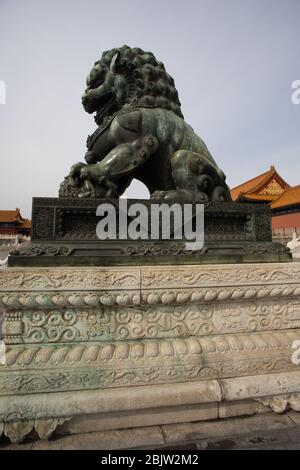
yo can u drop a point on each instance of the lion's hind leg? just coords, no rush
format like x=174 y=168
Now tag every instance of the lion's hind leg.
x=196 y=179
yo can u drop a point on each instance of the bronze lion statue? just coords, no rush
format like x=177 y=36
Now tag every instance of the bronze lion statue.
x=141 y=134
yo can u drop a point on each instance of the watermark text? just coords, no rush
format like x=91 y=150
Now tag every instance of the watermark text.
x=153 y=221
x=2 y=92
x=2 y=353
x=296 y=93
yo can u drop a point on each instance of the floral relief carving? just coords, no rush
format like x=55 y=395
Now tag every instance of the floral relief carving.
x=53 y=326
x=67 y=367
x=125 y=323
x=213 y=276
x=68 y=379
x=76 y=330
x=49 y=299
x=70 y=279
x=114 y=278
x=281 y=403
x=16 y=430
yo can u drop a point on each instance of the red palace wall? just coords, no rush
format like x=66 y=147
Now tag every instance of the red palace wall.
x=286 y=221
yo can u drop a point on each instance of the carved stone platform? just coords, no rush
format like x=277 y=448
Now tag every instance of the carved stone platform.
x=104 y=348
x=64 y=234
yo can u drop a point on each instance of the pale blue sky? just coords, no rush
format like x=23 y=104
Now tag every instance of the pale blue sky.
x=233 y=62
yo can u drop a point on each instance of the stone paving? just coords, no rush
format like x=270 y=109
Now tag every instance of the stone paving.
x=266 y=431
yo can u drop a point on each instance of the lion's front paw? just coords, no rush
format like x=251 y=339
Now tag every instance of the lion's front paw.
x=92 y=172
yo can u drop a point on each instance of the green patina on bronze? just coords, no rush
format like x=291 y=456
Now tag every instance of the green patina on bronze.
x=64 y=234
x=141 y=134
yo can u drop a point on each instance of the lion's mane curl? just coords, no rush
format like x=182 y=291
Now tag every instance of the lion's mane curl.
x=146 y=81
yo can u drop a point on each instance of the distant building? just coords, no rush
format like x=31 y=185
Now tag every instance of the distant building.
x=13 y=224
x=270 y=188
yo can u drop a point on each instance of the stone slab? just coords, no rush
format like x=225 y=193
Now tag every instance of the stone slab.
x=108 y=440
x=64 y=234
x=98 y=341
x=267 y=431
x=240 y=388
x=134 y=419
x=194 y=432
x=233 y=409
x=27 y=406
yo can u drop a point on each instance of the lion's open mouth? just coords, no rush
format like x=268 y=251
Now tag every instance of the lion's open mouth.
x=93 y=99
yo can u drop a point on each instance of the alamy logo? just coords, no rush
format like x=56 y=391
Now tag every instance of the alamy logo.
x=2 y=92
x=2 y=353
x=296 y=354
x=296 y=94
x=152 y=221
